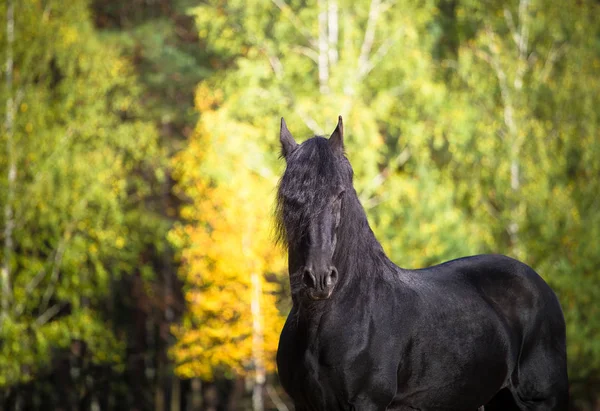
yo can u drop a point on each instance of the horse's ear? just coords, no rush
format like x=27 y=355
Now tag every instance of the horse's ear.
x=288 y=144
x=336 y=141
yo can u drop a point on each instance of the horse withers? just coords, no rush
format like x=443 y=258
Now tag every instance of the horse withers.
x=364 y=334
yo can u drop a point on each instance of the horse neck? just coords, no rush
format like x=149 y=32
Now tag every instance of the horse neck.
x=358 y=253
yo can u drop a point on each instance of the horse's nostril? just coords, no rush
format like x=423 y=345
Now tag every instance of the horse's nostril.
x=309 y=278
x=332 y=277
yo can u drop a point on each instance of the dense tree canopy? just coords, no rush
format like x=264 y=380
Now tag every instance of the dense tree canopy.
x=227 y=241
x=74 y=200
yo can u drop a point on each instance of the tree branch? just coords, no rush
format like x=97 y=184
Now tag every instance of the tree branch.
x=60 y=250
x=554 y=54
x=308 y=52
x=510 y=22
x=308 y=121
x=279 y=404
x=398 y=161
x=378 y=56
x=48 y=314
x=287 y=12
x=367 y=44
x=57 y=257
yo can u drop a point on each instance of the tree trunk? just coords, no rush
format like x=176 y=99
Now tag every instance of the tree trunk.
x=9 y=222
x=211 y=397
x=175 y=394
x=323 y=49
x=512 y=99
x=136 y=364
x=333 y=29
x=195 y=395
x=159 y=397
x=236 y=394
x=166 y=340
x=257 y=345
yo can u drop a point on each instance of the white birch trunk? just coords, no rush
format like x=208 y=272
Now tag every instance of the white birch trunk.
x=9 y=223
x=257 y=344
x=511 y=94
x=333 y=32
x=323 y=49
x=522 y=42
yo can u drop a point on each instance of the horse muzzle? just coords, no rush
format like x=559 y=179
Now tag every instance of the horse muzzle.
x=320 y=283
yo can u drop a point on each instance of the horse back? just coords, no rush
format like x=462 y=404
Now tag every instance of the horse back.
x=523 y=301
x=509 y=286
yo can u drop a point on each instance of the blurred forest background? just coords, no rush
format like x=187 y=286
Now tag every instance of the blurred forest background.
x=139 y=160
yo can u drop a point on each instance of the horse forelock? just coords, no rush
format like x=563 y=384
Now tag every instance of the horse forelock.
x=313 y=175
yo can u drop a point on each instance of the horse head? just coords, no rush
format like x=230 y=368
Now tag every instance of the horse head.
x=310 y=198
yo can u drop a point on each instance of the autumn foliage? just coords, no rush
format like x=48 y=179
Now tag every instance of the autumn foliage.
x=226 y=237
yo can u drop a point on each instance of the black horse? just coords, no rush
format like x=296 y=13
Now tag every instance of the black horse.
x=364 y=334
